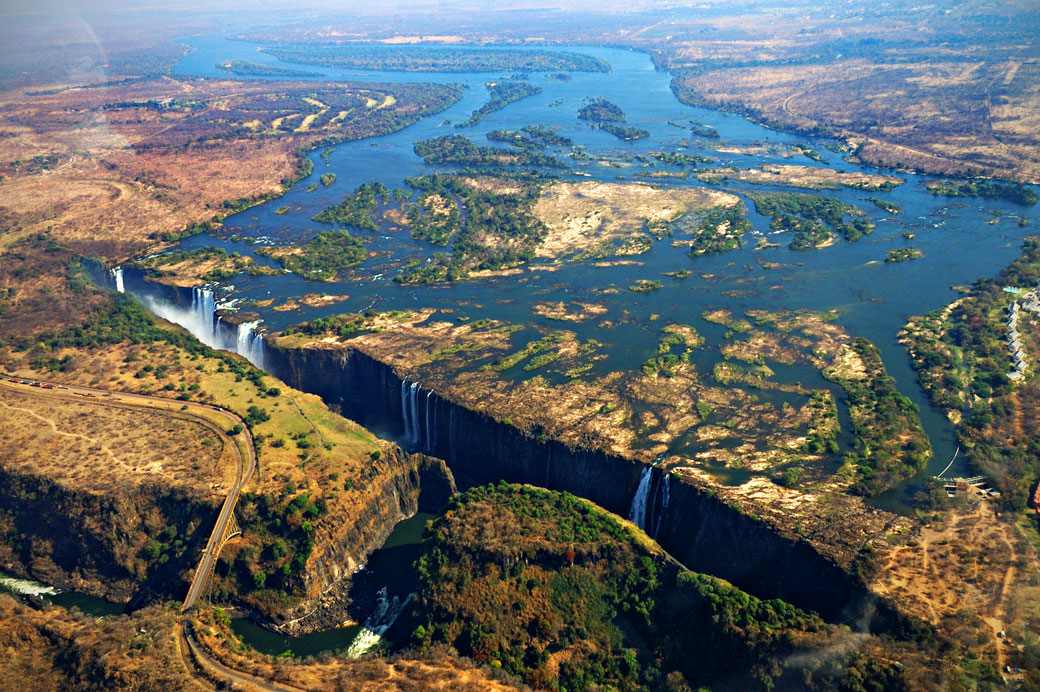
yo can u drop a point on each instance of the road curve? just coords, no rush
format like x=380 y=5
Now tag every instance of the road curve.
x=233 y=676
x=246 y=467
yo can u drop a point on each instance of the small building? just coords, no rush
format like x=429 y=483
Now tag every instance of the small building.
x=1014 y=375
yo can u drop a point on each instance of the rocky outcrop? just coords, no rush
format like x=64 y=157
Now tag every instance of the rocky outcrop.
x=407 y=483
x=703 y=532
x=95 y=543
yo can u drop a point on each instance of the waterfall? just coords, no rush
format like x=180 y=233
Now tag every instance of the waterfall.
x=404 y=409
x=218 y=335
x=382 y=618
x=117 y=276
x=548 y=464
x=637 y=513
x=250 y=343
x=198 y=319
x=663 y=504
x=202 y=321
x=429 y=448
x=258 y=351
x=416 y=432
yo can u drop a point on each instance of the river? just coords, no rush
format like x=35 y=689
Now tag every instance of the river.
x=874 y=299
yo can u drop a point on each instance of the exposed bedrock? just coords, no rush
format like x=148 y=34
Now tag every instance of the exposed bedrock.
x=704 y=533
x=409 y=483
x=93 y=543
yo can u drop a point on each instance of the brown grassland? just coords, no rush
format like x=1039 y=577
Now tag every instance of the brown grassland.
x=110 y=171
x=101 y=446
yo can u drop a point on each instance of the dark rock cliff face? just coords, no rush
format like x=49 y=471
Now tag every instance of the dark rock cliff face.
x=409 y=483
x=413 y=483
x=702 y=532
x=94 y=543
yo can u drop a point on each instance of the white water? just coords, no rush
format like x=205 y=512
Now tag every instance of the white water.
x=637 y=512
x=249 y=343
x=383 y=616
x=198 y=319
x=206 y=326
x=27 y=587
x=414 y=395
x=665 y=488
x=404 y=410
x=117 y=276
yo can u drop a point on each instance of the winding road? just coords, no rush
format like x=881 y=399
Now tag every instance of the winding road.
x=236 y=678
x=243 y=443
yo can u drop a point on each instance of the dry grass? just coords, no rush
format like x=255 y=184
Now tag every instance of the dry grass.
x=55 y=650
x=972 y=562
x=100 y=447
x=335 y=445
x=937 y=116
x=806 y=177
x=581 y=216
x=119 y=172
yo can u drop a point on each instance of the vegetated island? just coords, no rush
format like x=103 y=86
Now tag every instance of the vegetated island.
x=494 y=221
x=699 y=129
x=357 y=208
x=609 y=117
x=322 y=258
x=531 y=136
x=812 y=218
x=568 y=596
x=254 y=69
x=903 y=254
x=436 y=58
x=501 y=94
x=459 y=149
x=987 y=189
x=890 y=207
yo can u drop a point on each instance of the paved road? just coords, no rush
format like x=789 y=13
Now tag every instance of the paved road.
x=246 y=466
x=236 y=678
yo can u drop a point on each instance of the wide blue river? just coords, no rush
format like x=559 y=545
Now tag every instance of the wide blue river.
x=962 y=239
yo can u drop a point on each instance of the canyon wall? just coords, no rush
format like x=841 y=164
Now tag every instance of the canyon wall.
x=95 y=543
x=698 y=529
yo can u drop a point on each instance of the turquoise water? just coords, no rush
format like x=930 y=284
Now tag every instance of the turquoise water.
x=90 y=605
x=874 y=299
x=390 y=566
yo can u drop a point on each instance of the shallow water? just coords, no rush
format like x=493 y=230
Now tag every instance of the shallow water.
x=874 y=299
x=390 y=566
x=90 y=605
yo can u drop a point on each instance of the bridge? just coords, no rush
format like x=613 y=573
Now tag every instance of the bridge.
x=952 y=484
x=226 y=526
